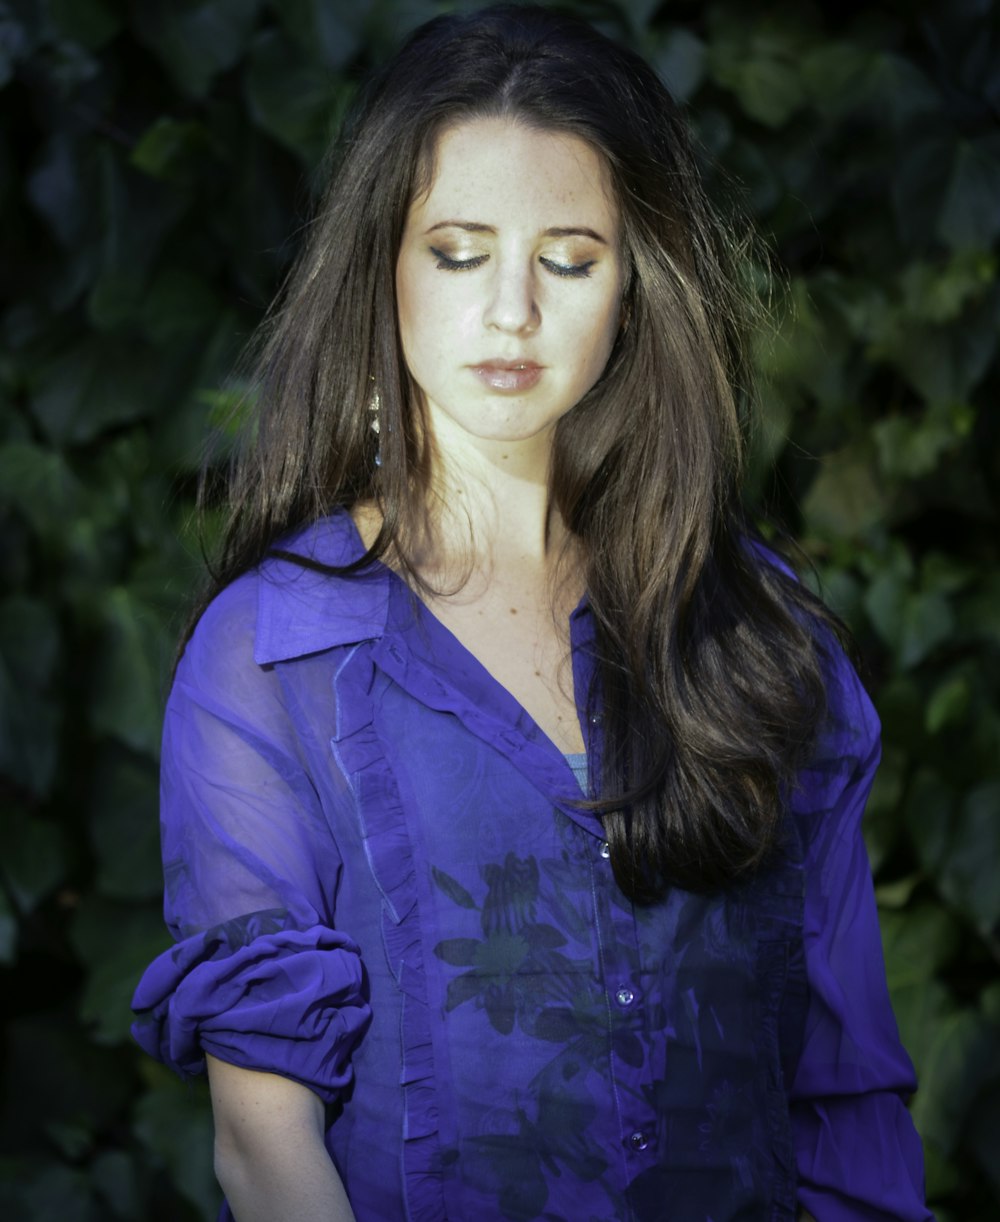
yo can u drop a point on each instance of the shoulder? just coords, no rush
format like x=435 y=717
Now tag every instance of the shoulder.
x=295 y=603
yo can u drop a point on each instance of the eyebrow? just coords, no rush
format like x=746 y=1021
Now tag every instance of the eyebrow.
x=570 y=231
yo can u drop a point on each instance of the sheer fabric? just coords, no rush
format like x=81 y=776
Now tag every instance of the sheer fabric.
x=381 y=886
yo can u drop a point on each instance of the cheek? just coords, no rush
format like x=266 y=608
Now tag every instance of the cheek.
x=598 y=339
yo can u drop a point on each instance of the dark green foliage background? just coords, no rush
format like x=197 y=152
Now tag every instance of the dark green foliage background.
x=156 y=163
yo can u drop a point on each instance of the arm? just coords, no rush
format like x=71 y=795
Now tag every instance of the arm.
x=858 y=1153
x=260 y=978
x=269 y=1153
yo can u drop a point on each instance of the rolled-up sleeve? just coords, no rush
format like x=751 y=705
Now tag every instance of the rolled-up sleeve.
x=259 y=976
x=859 y=1156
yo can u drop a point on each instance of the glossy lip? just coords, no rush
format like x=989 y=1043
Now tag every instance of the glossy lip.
x=508 y=375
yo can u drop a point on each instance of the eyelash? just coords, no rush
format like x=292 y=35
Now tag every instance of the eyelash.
x=464 y=265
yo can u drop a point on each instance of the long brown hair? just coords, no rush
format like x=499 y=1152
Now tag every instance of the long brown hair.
x=709 y=672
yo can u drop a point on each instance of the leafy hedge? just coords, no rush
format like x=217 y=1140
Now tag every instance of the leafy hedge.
x=156 y=160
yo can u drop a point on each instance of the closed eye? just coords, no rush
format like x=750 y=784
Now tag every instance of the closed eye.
x=561 y=269
x=457 y=265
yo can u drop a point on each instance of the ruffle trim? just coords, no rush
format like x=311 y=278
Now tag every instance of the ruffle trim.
x=286 y=1001
x=362 y=755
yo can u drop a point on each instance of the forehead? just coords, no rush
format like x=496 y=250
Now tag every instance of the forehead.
x=493 y=171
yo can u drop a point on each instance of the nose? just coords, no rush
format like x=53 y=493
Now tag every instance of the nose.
x=512 y=306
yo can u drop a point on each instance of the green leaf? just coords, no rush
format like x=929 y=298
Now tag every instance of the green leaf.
x=179 y=304
x=170 y=148
x=917 y=942
x=882 y=814
x=56 y=1077
x=970 y=216
x=927 y=621
x=114 y=1176
x=87 y=22
x=58 y=1191
x=910 y=449
x=15 y=43
x=758 y=64
x=930 y=811
x=296 y=103
x=116 y=942
x=29 y=640
x=982 y=1130
x=8 y=930
x=969 y=875
x=174 y=1122
x=959 y=1048
x=196 y=42
x=680 y=61
x=93 y=386
x=322 y=32
x=948 y=703
x=38 y=483
x=899 y=91
x=131 y=672
x=29 y=712
x=833 y=75
x=33 y=857
x=898 y=893
x=125 y=829
x=61 y=186
x=979 y=614
x=845 y=499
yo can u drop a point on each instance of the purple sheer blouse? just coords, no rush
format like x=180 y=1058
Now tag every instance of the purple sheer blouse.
x=381 y=885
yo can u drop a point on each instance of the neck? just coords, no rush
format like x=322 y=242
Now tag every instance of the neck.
x=496 y=507
x=491 y=506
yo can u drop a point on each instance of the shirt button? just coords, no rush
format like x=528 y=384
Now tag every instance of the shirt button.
x=638 y=1140
x=605 y=850
x=625 y=996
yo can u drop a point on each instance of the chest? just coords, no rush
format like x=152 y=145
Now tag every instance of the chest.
x=513 y=632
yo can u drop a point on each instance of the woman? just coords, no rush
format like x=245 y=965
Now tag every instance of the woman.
x=511 y=794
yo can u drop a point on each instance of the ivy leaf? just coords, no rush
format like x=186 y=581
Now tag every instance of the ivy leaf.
x=174 y=1123
x=958 y=1048
x=917 y=942
x=29 y=713
x=970 y=216
x=680 y=61
x=124 y=827
x=196 y=42
x=87 y=22
x=33 y=857
x=115 y=942
x=130 y=672
x=927 y=621
x=62 y=186
x=948 y=703
x=8 y=930
x=845 y=499
x=968 y=877
x=295 y=103
x=323 y=32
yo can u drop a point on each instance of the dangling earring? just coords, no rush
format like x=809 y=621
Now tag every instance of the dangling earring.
x=374 y=407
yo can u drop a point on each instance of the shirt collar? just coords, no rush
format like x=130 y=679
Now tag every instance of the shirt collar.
x=302 y=611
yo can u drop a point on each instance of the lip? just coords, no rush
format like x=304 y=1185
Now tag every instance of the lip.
x=508 y=376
